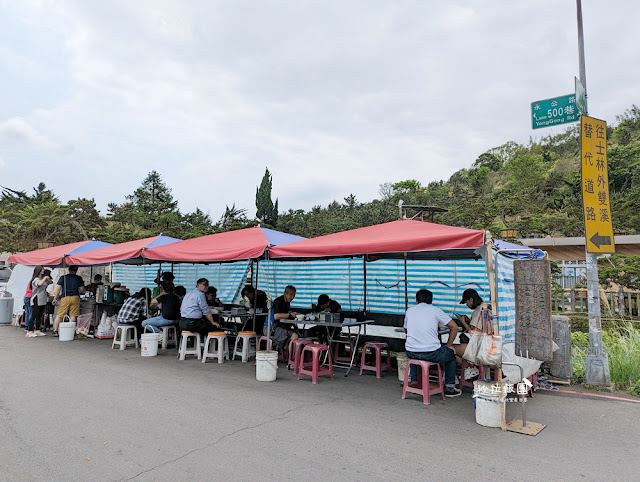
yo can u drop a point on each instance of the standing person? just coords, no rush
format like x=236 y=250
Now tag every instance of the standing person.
x=282 y=334
x=68 y=291
x=195 y=312
x=421 y=324
x=39 y=282
x=27 y=305
x=170 y=311
x=134 y=310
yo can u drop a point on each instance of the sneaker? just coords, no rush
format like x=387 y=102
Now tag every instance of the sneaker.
x=39 y=333
x=471 y=372
x=54 y=333
x=31 y=334
x=451 y=392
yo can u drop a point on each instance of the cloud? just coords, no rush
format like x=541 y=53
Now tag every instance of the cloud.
x=334 y=98
x=17 y=132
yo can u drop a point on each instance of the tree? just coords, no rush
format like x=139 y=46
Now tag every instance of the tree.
x=621 y=270
x=267 y=211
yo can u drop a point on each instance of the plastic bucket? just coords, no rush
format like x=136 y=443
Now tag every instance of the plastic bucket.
x=266 y=366
x=487 y=404
x=402 y=365
x=149 y=344
x=66 y=330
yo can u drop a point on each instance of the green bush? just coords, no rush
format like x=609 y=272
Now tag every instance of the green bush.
x=622 y=344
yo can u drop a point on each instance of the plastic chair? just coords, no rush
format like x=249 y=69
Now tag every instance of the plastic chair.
x=315 y=370
x=425 y=388
x=244 y=339
x=128 y=336
x=378 y=366
x=298 y=344
x=169 y=335
x=216 y=346
x=184 y=351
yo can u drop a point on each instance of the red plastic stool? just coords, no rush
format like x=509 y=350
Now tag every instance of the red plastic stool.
x=377 y=346
x=423 y=381
x=339 y=353
x=315 y=370
x=298 y=344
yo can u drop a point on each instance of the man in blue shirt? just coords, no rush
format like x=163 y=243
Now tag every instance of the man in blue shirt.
x=195 y=312
x=68 y=291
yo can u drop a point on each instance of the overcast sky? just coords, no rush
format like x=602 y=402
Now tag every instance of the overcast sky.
x=334 y=97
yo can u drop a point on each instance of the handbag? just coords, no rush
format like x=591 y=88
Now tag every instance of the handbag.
x=484 y=349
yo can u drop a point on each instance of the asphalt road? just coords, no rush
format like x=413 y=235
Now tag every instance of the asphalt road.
x=81 y=411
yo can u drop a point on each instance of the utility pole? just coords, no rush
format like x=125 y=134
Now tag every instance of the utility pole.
x=597 y=363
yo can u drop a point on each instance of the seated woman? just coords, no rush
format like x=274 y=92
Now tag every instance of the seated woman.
x=472 y=299
x=170 y=308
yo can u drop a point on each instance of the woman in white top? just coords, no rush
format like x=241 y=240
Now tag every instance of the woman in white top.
x=472 y=299
x=39 y=282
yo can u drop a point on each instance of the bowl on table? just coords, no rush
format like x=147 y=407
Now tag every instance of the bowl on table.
x=300 y=317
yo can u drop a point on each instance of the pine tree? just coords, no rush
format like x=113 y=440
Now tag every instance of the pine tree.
x=266 y=212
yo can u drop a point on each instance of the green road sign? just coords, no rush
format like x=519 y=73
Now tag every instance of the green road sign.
x=550 y=112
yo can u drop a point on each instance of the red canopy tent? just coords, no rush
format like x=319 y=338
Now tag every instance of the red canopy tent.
x=56 y=255
x=129 y=252
x=248 y=243
x=416 y=239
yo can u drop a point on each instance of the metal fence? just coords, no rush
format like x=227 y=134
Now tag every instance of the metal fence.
x=621 y=303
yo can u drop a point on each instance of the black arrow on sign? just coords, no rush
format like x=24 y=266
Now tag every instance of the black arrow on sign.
x=598 y=240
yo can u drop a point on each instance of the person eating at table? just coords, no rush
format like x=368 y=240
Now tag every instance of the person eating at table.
x=421 y=323
x=212 y=297
x=282 y=333
x=325 y=304
x=249 y=292
x=195 y=312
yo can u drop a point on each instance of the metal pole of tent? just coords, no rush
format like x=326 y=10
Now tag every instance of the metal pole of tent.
x=493 y=289
x=406 y=282
x=364 y=270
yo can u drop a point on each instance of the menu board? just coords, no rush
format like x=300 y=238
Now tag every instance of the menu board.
x=532 y=279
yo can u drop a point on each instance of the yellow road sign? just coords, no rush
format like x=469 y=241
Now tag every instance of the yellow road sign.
x=595 y=186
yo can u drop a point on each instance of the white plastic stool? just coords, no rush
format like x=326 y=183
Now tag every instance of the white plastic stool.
x=246 y=351
x=184 y=351
x=216 y=346
x=128 y=337
x=166 y=339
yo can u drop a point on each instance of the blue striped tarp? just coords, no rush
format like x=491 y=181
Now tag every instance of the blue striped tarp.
x=506 y=299
x=342 y=279
x=228 y=277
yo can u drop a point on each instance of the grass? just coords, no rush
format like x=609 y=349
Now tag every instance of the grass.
x=622 y=344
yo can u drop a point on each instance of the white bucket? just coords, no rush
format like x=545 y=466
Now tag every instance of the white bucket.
x=487 y=404
x=149 y=344
x=66 y=330
x=266 y=366
x=402 y=365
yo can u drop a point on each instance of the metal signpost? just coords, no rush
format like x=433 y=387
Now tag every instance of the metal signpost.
x=551 y=112
x=597 y=363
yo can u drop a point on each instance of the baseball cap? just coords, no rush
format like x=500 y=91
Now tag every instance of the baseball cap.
x=468 y=293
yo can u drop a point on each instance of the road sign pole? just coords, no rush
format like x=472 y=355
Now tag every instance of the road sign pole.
x=597 y=363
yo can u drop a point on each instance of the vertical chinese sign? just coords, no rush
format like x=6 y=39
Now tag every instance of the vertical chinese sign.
x=595 y=186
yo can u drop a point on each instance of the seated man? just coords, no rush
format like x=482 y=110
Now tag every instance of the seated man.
x=421 y=324
x=212 y=297
x=249 y=292
x=170 y=308
x=195 y=312
x=134 y=310
x=325 y=304
x=283 y=334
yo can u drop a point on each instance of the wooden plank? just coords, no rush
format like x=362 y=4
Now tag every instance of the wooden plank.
x=532 y=279
x=532 y=428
